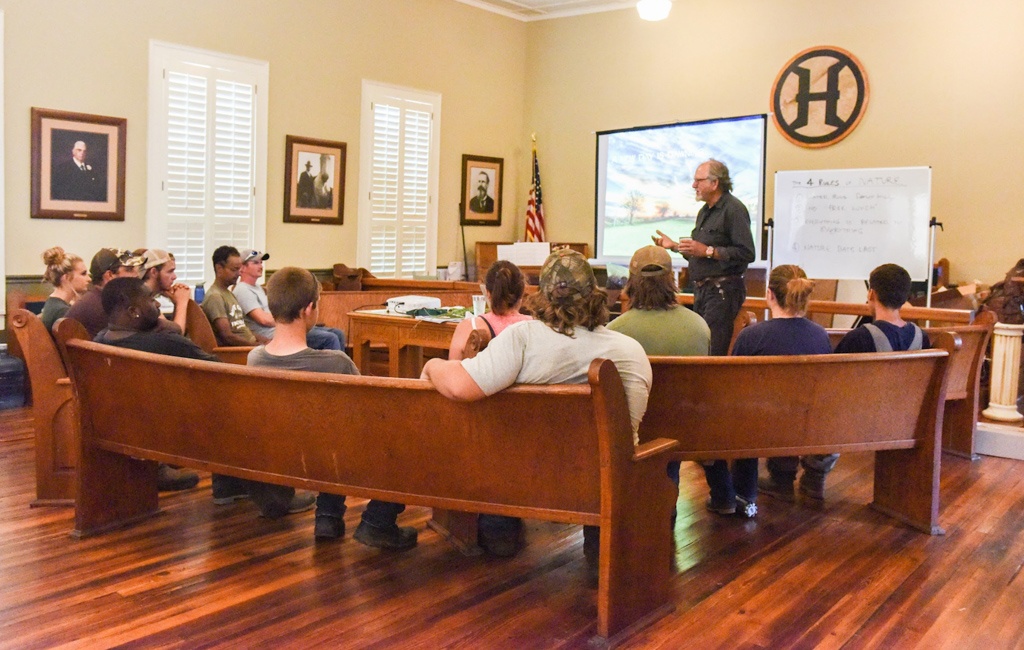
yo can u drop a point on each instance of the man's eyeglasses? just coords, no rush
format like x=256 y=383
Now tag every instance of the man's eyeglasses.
x=698 y=180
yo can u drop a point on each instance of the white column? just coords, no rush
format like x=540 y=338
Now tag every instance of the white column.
x=1002 y=403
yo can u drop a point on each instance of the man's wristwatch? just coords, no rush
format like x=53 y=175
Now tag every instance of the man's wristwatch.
x=709 y=252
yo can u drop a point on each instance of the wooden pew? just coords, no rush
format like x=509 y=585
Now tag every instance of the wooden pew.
x=54 y=415
x=509 y=454
x=199 y=330
x=963 y=385
x=757 y=407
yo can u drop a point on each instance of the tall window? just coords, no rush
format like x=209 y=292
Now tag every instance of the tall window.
x=398 y=181
x=207 y=155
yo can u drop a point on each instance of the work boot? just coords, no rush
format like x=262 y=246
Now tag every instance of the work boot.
x=393 y=537
x=812 y=484
x=170 y=479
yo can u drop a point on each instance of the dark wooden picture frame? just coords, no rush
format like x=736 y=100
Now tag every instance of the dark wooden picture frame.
x=78 y=166
x=482 y=184
x=314 y=181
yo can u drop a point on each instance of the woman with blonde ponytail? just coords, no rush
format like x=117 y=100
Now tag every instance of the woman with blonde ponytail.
x=67 y=273
x=788 y=332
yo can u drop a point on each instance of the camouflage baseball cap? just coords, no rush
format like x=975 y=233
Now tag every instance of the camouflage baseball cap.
x=565 y=275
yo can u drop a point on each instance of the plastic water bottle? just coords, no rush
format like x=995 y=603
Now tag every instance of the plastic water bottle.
x=12 y=380
x=200 y=292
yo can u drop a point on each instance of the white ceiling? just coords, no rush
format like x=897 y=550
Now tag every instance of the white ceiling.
x=527 y=10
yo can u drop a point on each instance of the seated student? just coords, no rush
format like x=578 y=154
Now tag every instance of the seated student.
x=220 y=305
x=888 y=290
x=293 y=294
x=504 y=285
x=66 y=272
x=158 y=272
x=106 y=265
x=253 y=299
x=788 y=332
x=567 y=333
x=655 y=319
x=135 y=324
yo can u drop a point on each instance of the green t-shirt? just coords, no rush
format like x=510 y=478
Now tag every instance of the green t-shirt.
x=675 y=332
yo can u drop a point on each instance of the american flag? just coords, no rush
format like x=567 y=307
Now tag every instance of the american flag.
x=535 y=206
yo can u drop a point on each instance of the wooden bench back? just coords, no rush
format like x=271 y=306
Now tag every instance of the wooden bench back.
x=54 y=417
x=755 y=407
x=199 y=330
x=382 y=438
x=965 y=366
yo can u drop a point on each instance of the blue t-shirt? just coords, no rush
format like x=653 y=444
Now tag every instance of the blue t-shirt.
x=782 y=336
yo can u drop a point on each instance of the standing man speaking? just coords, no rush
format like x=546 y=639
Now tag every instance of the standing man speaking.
x=718 y=252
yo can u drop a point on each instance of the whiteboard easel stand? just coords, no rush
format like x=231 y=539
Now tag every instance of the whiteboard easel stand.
x=932 y=225
x=770 y=227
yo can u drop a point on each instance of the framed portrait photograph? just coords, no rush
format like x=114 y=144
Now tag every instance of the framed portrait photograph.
x=481 y=190
x=78 y=166
x=314 y=181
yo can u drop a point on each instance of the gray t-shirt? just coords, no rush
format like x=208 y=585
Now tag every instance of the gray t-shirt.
x=250 y=297
x=328 y=361
x=530 y=352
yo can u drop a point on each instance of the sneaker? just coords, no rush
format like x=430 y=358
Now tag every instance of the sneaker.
x=328 y=527
x=745 y=507
x=395 y=538
x=720 y=508
x=170 y=479
x=780 y=491
x=302 y=501
x=228 y=489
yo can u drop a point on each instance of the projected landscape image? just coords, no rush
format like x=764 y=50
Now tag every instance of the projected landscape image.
x=645 y=178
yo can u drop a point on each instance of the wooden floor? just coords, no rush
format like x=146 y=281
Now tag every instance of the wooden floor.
x=799 y=576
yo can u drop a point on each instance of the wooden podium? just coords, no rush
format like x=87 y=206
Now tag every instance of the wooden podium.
x=487 y=254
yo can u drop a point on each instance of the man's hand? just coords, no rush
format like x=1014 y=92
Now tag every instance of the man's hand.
x=692 y=247
x=664 y=241
x=179 y=295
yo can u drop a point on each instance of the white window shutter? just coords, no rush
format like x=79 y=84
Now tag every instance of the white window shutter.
x=399 y=238
x=207 y=147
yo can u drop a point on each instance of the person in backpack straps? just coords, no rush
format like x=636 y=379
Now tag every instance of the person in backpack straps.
x=888 y=291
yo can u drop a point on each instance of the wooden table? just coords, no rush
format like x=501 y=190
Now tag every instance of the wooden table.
x=404 y=336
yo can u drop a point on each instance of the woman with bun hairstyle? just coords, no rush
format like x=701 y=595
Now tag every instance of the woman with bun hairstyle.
x=67 y=273
x=505 y=286
x=788 y=332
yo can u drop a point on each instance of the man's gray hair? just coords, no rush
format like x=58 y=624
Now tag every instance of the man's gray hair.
x=718 y=171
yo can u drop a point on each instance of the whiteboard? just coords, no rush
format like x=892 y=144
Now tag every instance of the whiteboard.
x=842 y=223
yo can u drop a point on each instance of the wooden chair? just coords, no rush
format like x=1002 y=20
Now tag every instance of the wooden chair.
x=198 y=328
x=54 y=413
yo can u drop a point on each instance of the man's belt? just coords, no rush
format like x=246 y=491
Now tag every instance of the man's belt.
x=716 y=279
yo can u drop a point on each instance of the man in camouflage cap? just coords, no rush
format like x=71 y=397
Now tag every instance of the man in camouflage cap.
x=568 y=332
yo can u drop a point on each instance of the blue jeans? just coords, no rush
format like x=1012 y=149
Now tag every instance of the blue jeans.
x=325 y=338
x=725 y=486
x=380 y=514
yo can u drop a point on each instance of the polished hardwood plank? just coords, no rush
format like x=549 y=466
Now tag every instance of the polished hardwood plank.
x=801 y=575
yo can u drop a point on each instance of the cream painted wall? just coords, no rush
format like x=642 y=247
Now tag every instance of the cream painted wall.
x=947 y=90
x=91 y=57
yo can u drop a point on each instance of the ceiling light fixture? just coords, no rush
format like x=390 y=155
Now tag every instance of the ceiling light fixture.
x=654 y=9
